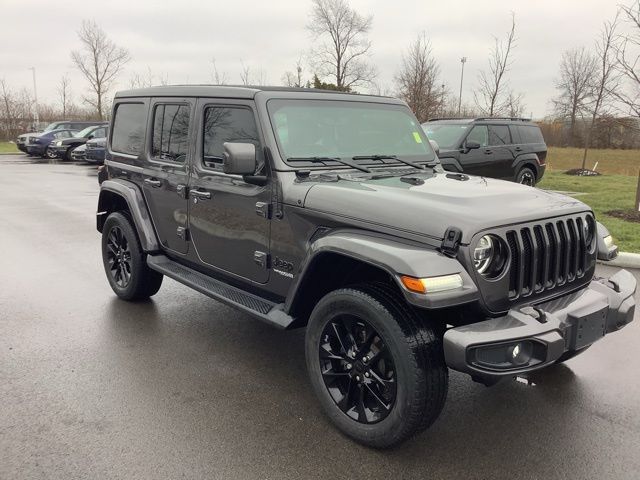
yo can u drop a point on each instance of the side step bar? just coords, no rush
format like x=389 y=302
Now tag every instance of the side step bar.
x=254 y=305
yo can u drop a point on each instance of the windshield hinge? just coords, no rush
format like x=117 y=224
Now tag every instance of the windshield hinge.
x=451 y=241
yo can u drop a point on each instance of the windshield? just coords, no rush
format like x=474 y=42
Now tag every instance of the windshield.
x=446 y=135
x=51 y=126
x=344 y=129
x=85 y=132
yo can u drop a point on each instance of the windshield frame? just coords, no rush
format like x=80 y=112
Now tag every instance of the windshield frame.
x=429 y=159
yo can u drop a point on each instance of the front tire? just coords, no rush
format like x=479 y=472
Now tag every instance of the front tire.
x=124 y=261
x=50 y=154
x=376 y=368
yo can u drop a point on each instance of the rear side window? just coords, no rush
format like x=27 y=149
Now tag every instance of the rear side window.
x=227 y=124
x=499 y=135
x=171 y=132
x=530 y=134
x=128 y=128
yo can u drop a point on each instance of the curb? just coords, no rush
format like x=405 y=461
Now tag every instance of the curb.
x=624 y=260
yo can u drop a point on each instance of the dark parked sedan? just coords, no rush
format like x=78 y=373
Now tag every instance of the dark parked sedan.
x=64 y=147
x=96 y=149
x=41 y=144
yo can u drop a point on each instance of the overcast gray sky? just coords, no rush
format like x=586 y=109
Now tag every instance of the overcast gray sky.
x=179 y=38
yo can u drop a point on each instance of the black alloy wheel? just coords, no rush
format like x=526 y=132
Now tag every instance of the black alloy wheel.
x=357 y=369
x=527 y=177
x=50 y=154
x=119 y=257
x=125 y=263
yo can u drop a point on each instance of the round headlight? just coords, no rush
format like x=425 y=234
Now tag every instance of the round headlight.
x=483 y=254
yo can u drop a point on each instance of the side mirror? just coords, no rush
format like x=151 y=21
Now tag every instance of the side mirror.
x=471 y=145
x=435 y=146
x=239 y=158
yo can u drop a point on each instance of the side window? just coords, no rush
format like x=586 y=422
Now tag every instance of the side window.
x=530 y=134
x=62 y=134
x=479 y=134
x=515 y=134
x=170 y=132
x=128 y=128
x=499 y=135
x=99 y=133
x=227 y=124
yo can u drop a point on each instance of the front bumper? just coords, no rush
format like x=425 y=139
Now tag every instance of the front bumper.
x=548 y=330
x=36 y=149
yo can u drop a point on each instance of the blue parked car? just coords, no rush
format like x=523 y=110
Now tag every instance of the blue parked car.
x=95 y=150
x=41 y=144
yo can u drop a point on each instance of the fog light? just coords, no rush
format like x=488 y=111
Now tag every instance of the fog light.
x=520 y=353
x=508 y=356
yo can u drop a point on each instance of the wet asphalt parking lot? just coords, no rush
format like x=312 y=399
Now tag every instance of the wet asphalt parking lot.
x=183 y=387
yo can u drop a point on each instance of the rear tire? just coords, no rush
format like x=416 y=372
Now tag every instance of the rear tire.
x=376 y=368
x=526 y=176
x=125 y=264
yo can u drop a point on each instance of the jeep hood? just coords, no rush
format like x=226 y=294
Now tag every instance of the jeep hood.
x=442 y=201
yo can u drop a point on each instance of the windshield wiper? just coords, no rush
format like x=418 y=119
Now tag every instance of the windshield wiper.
x=348 y=163
x=388 y=157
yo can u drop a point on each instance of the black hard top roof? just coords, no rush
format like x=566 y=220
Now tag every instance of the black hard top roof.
x=242 y=91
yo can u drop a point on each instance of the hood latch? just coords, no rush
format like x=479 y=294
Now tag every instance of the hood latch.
x=451 y=241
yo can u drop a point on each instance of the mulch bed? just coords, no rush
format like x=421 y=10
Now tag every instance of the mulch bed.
x=582 y=172
x=627 y=215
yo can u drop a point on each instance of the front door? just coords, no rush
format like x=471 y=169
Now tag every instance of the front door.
x=166 y=173
x=228 y=218
x=478 y=161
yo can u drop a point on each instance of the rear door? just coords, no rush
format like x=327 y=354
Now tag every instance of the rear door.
x=229 y=219
x=165 y=173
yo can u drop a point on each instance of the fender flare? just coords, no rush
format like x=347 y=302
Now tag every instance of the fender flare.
x=134 y=199
x=527 y=158
x=394 y=257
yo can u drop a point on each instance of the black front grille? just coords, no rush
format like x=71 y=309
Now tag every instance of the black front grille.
x=546 y=255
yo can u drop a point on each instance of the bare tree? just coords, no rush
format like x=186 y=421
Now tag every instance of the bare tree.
x=15 y=109
x=218 y=79
x=343 y=55
x=417 y=82
x=627 y=48
x=245 y=74
x=294 y=79
x=100 y=61
x=605 y=80
x=575 y=87
x=514 y=104
x=490 y=96
x=64 y=93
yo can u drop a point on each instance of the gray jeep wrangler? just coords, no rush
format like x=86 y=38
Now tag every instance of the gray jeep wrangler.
x=331 y=211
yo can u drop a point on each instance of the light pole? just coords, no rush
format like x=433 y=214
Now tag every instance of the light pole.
x=36 y=118
x=463 y=60
x=442 y=100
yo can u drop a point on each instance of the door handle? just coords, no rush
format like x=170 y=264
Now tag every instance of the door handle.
x=488 y=151
x=155 y=183
x=200 y=194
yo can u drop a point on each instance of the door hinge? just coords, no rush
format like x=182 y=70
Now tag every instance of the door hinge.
x=261 y=259
x=183 y=233
x=181 y=190
x=263 y=209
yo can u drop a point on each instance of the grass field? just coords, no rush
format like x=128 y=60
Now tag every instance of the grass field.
x=6 y=147
x=611 y=162
x=603 y=193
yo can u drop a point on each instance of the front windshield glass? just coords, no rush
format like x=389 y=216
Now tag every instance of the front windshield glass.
x=345 y=129
x=84 y=133
x=51 y=126
x=446 y=135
